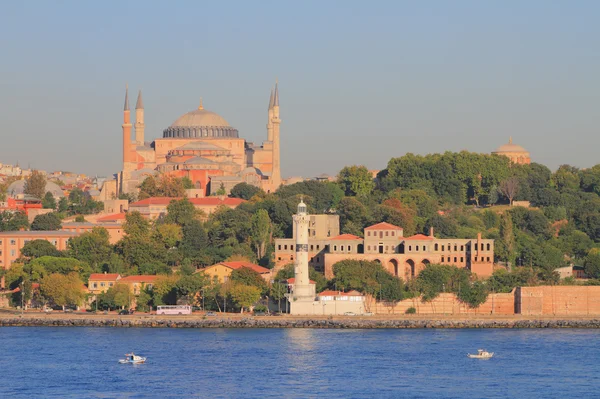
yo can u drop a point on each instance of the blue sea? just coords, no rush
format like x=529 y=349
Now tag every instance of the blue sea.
x=297 y=363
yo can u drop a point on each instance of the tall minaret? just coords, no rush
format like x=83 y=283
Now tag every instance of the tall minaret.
x=276 y=173
x=303 y=290
x=139 y=120
x=126 y=131
x=270 y=121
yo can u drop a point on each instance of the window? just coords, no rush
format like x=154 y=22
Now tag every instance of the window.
x=443 y=248
x=416 y=248
x=462 y=259
x=488 y=258
x=387 y=233
x=368 y=247
x=110 y=284
x=279 y=247
x=476 y=259
x=95 y=285
x=13 y=242
x=279 y=258
x=0 y=242
x=285 y=247
x=349 y=248
x=436 y=247
x=424 y=248
x=410 y=247
x=13 y=252
x=381 y=234
x=442 y=258
x=318 y=247
x=102 y=284
x=369 y=233
x=488 y=247
x=462 y=247
x=455 y=248
x=393 y=233
x=292 y=247
x=335 y=248
x=475 y=246
x=312 y=247
x=455 y=259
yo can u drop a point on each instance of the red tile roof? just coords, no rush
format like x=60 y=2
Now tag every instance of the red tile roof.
x=105 y=276
x=347 y=237
x=240 y=264
x=383 y=226
x=419 y=237
x=154 y=201
x=112 y=218
x=144 y=278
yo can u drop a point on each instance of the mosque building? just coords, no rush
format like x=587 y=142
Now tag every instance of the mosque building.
x=202 y=146
x=514 y=152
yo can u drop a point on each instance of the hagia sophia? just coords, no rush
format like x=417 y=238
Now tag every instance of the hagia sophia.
x=202 y=146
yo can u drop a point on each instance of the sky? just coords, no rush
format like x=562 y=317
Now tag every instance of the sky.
x=360 y=82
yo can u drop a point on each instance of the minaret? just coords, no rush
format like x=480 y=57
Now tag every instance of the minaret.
x=303 y=290
x=270 y=121
x=126 y=131
x=139 y=120
x=276 y=173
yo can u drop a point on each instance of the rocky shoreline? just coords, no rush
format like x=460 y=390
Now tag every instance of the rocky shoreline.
x=293 y=323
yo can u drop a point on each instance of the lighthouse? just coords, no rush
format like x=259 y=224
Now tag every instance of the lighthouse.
x=303 y=291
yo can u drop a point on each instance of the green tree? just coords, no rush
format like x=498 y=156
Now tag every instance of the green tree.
x=93 y=247
x=369 y=278
x=277 y=292
x=180 y=212
x=244 y=191
x=247 y=276
x=35 y=185
x=80 y=219
x=261 y=232
x=244 y=295
x=48 y=202
x=40 y=267
x=189 y=286
x=194 y=239
x=164 y=290
x=591 y=265
x=63 y=290
x=505 y=247
x=48 y=221
x=356 y=181
x=38 y=248
x=168 y=234
x=13 y=221
x=63 y=205
x=221 y=190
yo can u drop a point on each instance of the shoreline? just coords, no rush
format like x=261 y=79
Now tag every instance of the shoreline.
x=339 y=322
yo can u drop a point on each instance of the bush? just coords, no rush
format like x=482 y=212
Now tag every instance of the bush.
x=260 y=308
x=411 y=310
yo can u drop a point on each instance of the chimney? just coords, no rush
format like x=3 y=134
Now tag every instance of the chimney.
x=431 y=232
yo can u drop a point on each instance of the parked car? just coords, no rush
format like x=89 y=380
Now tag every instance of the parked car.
x=48 y=310
x=260 y=314
x=125 y=311
x=368 y=314
x=210 y=314
x=349 y=314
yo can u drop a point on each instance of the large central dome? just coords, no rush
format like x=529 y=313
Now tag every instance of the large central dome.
x=200 y=123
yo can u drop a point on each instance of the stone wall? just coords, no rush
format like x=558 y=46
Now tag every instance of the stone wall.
x=446 y=303
x=558 y=300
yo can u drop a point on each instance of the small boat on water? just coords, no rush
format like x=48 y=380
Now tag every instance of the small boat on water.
x=481 y=354
x=131 y=358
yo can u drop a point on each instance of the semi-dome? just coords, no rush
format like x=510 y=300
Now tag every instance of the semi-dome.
x=18 y=188
x=200 y=123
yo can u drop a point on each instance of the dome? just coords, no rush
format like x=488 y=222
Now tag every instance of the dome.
x=200 y=123
x=510 y=147
x=18 y=188
x=200 y=117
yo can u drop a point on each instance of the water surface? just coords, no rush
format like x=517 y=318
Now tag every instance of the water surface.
x=297 y=363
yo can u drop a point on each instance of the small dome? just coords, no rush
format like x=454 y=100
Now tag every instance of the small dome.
x=510 y=147
x=18 y=188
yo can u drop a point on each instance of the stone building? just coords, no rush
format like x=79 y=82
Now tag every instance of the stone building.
x=385 y=243
x=514 y=152
x=202 y=146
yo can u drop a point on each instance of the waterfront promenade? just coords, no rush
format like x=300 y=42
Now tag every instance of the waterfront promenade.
x=236 y=320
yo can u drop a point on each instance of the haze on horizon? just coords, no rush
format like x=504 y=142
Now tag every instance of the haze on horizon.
x=359 y=82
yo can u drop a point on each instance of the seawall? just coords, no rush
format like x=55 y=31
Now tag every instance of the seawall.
x=271 y=322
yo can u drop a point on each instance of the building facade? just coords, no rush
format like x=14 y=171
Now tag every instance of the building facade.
x=202 y=146
x=402 y=256
x=11 y=243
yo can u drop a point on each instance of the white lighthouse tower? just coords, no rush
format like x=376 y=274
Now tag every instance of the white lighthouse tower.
x=303 y=291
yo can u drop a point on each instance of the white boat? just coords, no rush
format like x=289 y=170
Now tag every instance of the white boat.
x=481 y=354
x=131 y=358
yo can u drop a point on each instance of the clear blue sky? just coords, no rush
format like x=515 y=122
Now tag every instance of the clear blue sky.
x=360 y=82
